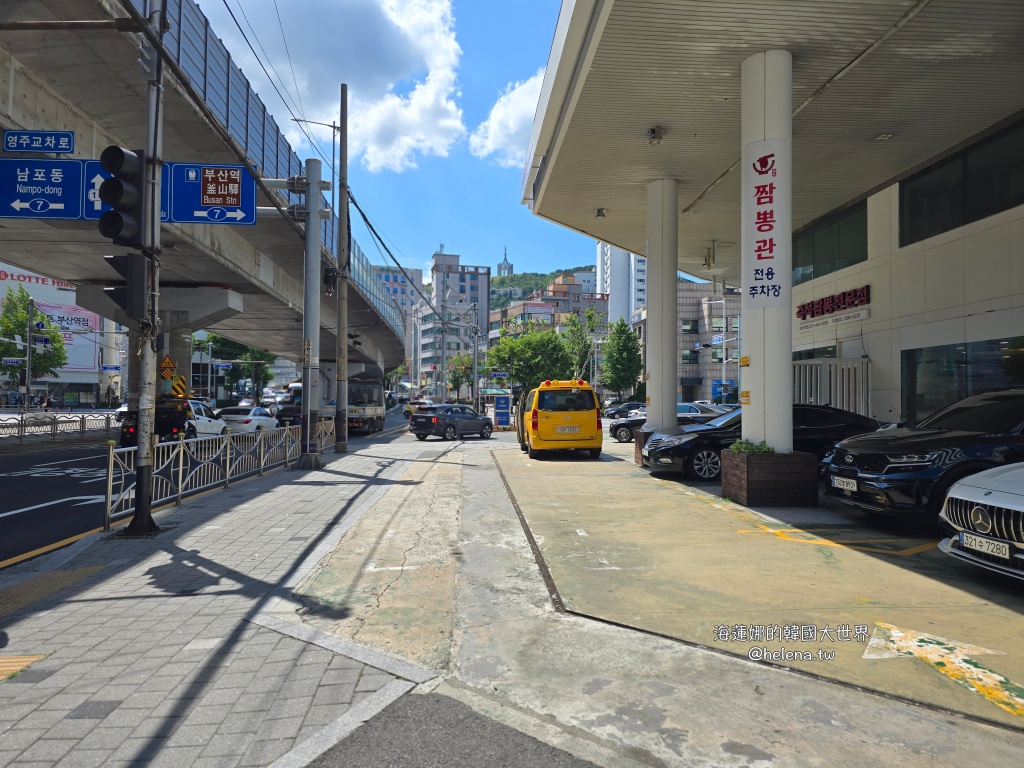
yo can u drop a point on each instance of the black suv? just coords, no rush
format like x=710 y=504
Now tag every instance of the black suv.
x=449 y=422
x=907 y=472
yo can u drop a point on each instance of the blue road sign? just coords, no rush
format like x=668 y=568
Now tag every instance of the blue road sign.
x=716 y=339
x=716 y=387
x=40 y=339
x=40 y=325
x=54 y=142
x=12 y=361
x=696 y=345
x=499 y=374
x=222 y=366
x=110 y=367
x=204 y=193
x=33 y=188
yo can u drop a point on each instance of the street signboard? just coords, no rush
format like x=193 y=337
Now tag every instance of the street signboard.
x=499 y=374
x=716 y=339
x=222 y=366
x=717 y=388
x=110 y=367
x=36 y=188
x=94 y=176
x=40 y=324
x=696 y=345
x=502 y=405
x=167 y=363
x=206 y=193
x=40 y=339
x=12 y=361
x=54 y=142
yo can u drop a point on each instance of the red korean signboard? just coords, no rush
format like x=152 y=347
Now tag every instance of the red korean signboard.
x=767 y=259
x=839 y=302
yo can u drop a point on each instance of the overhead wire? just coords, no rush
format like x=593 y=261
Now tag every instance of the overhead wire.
x=291 y=64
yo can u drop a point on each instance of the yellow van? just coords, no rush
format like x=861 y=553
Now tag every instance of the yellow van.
x=560 y=415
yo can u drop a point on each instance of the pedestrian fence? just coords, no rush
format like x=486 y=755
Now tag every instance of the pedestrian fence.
x=184 y=468
x=43 y=425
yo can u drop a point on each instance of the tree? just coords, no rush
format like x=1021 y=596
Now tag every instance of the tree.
x=622 y=361
x=463 y=373
x=578 y=338
x=395 y=377
x=531 y=357
x=226 y=349
x=14 y=322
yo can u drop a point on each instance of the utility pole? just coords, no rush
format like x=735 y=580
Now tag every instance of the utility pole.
x=28 y=353
x=344 y=269
x=310 y=458
x=476 y=354
x=142 y=523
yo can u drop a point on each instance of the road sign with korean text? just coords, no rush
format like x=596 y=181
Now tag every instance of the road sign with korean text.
x=206 y=193
x=53 y=142
x=38 y=188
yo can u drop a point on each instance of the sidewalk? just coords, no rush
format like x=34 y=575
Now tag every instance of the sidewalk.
x=272 y=619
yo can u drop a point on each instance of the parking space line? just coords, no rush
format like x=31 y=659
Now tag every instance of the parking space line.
x=860 y=544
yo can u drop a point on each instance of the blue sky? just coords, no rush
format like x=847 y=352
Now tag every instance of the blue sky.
x=442 y=100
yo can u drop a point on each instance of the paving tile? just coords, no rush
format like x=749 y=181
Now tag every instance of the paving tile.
x=85 y=758
x=48 y=750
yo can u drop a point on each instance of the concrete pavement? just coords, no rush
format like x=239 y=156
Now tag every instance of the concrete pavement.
x=273 y=618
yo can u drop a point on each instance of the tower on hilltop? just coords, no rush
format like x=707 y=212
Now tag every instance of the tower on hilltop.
x=506 y=268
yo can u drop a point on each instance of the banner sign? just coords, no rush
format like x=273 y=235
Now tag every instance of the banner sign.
x=767 y=231
x=82 y=348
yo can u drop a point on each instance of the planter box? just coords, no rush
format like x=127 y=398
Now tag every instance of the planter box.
x=770 y=479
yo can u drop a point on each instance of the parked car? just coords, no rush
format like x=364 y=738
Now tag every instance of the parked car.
x=247 y=419
x=686 y=414
x=984 y=513
x=560 y=415
x=697 y=450
x=289 y=415
x=119 y=414
x=621 y=410
x=906 y=472
x=449 y=422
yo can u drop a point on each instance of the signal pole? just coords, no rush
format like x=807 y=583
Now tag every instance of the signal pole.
x=143 y=523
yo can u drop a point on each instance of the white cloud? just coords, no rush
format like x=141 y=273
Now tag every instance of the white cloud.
x=506 y=131
x=400 y=59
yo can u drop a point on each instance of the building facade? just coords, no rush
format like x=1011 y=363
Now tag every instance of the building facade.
x=400 y=285
x=924 y=279
x=708 y=341
x=461 y=292
x=623 y=276
x=93 y=343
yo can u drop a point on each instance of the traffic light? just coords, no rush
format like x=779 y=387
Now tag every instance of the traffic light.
x=125 y=192
x=133 y=297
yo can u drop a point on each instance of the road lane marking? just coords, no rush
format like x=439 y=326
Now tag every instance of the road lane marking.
x=952 y=659
x=85 y=500
x=69 y=461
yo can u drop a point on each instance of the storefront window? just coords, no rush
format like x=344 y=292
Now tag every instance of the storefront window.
x=934 y=377
x=816 y=353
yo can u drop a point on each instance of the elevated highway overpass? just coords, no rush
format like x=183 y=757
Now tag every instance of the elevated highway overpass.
x=243 y=282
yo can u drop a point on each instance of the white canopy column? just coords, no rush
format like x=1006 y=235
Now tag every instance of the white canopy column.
x=766 y=386
x=662 y=268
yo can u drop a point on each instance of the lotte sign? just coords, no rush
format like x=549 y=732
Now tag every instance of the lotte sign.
x=767 y=277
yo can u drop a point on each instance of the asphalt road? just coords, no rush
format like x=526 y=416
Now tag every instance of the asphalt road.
x=50 y=496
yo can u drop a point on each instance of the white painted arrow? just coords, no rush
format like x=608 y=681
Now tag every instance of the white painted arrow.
x=236 y=214
x=953 y=659
x=20 y=206
x=82 y=501
x=94 y=193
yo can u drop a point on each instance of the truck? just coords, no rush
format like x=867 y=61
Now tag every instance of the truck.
x=365 y=402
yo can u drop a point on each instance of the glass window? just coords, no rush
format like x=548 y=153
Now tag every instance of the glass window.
x=717 y=324
x=853 y=236
x=803 y=257
x=689 y=357
x=826 y=246
x=716 y=354
x=993 y=413
x=816 y=353
x=931 y=202
x=994 y=174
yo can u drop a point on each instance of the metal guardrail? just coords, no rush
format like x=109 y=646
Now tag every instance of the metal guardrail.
x=42 y=425
x=186 y=467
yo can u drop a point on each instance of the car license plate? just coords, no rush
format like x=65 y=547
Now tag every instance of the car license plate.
x=567 y=430
x=844 y=483
x=986 y=546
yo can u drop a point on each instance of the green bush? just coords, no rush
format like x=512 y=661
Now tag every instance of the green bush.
x=745 y=446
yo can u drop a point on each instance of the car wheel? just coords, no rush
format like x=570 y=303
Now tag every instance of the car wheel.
x=223 y=431
x=938 y=496
x=705 y=463
x=532 y=452
x=522 y=447
x=595 y=453
x=190 y=434
x=485 y=433
x=420 y=436
x=624 y=434
x=450 y=433
x=407 y=415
